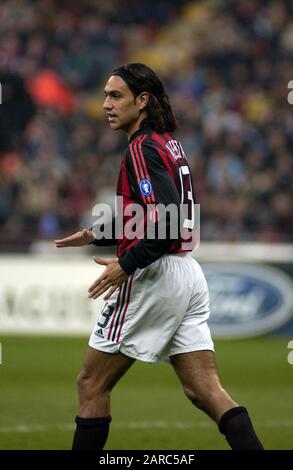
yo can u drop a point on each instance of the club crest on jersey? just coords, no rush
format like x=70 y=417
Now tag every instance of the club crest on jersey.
x=145 y=187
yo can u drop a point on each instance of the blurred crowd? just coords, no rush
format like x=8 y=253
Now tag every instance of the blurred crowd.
x=226 y=66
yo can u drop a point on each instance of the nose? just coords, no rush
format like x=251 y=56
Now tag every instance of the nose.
x=107 y=103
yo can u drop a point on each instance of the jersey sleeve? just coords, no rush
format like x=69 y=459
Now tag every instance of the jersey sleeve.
x=153 y=185
x=104 y=234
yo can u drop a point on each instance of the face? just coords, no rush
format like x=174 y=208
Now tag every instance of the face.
x=123 y=110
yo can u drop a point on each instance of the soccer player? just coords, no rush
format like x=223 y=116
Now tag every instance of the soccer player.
x=157 y=303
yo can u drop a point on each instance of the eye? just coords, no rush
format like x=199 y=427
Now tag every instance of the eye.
x=113 y=94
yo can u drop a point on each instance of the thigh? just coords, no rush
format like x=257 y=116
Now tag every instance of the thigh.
x=196 y=370
x=198 y=374
x=107 y=368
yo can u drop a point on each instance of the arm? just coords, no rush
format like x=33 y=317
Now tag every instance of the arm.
x=92 y=236
x=81 y=238
x=104 y=234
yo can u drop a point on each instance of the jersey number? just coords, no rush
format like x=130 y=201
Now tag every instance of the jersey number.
x=106 y=313
x=186 y=195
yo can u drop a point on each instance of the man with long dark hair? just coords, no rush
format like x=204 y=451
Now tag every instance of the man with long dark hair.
x=157 y=302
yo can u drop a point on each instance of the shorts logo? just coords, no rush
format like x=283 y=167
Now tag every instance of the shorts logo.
x=99 y=333
x=145 y=187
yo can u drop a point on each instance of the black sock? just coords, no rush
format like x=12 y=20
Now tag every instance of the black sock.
x=235 y=424
x=91 y=433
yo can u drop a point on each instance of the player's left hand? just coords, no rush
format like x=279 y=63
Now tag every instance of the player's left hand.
x=112 y=278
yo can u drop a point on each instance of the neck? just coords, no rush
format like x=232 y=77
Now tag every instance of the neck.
x=135 y=126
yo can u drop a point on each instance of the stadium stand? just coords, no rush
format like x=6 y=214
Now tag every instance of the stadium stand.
x=227 y=66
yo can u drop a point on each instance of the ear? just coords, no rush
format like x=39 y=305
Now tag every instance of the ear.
x=142 y=100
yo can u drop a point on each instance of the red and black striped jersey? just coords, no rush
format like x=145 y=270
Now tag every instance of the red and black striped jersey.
x=154 y=174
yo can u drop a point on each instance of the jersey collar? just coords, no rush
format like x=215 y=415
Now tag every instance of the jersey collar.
x=144 y=129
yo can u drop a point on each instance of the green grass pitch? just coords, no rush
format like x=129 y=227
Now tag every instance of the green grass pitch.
x=38 y=399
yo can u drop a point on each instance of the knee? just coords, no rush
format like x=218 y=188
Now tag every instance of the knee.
x=89 y=384
x=82 y=380
x=195 y=396
x=202 y=397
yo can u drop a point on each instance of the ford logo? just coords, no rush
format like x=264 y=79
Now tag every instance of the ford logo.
x=247 y=300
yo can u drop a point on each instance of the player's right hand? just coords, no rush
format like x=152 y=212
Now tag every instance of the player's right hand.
x=84 y=237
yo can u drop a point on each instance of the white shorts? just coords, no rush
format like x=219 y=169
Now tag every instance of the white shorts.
x=160 y=311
